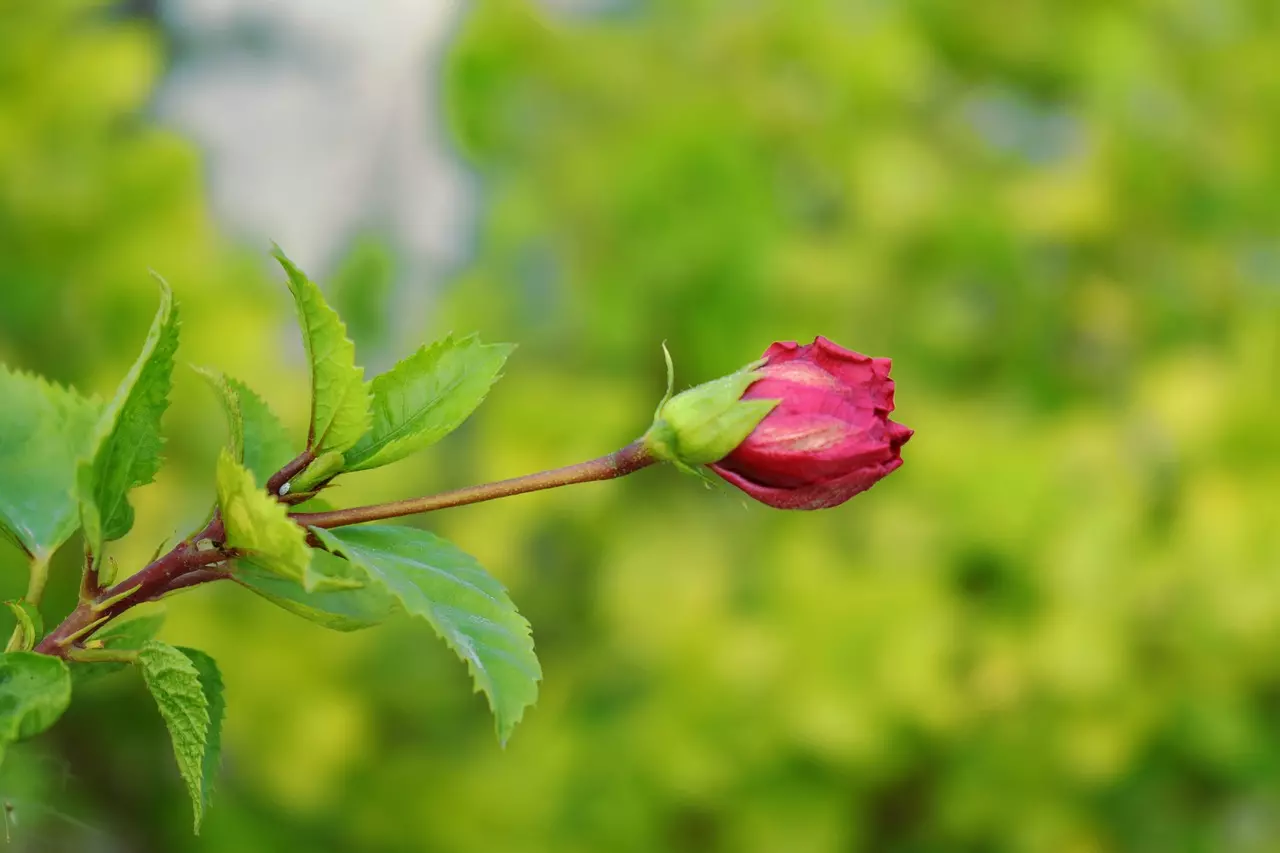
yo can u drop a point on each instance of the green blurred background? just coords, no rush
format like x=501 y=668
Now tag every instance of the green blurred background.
x=1057 y=628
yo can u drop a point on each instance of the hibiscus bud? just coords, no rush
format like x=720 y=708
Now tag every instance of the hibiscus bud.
x=705 y=423
x=828 y=438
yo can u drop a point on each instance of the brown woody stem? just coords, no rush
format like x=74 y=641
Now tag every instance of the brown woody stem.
x=631 y=458
x=195 y=560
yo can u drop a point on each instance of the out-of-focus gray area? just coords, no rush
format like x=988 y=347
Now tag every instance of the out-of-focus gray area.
x=319 y=120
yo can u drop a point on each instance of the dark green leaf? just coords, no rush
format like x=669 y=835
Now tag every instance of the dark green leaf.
x=211 y=684
x=339 y=400
x=175 y=684
x=434 y=580
x=127 y=440
x=425 y=397
x=44 y=430
x=34 y=691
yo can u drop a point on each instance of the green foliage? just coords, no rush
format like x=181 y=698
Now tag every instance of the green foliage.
x=258 y=525
x=127 y=440
x=183 y=683
x=44 y=430
x=425 y=397
x=339 y=400
x=215 y=702
x=30 y=623
x=433 y=580
x=34 y=691
x=345 y=598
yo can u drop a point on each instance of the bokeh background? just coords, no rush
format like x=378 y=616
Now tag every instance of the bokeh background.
x=1057 y=628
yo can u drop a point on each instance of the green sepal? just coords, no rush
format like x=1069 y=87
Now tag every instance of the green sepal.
x=706 y=423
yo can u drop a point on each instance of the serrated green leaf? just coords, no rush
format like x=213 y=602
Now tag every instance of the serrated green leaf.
x=340 y=609
x=175 y=684
x=230 y=407
x=258 y=440
x=211 y=685
x=30 y=623
x=44 y=431
x=434 y=580
x=34 y=691
x=127 y=440
x=425 y=397
x=259 y=525
x=339 y=399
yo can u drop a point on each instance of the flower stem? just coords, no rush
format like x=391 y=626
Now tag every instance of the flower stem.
x=629 y=459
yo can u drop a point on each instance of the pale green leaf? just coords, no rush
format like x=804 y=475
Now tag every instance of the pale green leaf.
x=175 y=684
x=30 y=623
x=127 y=440
x=425 y=397
x=259 y=526
x=34 y=691
x=211 y=685
x=258 y=440
x=339 y=399
x=340 y=609
x=434 y=580
x=44 y=430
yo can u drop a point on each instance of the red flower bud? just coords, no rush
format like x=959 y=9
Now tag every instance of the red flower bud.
x=828 y=439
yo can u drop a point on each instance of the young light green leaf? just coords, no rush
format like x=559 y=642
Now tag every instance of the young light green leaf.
x=211 y=685
x=339 y=399
x=259 y=525
x=127 y=440
x=175 y=684
x=258 y=440
x=325 y=467
x=340 y=609
x=425 y=397
x=44 y=430
x=433 y=580
x=34 y=691
x=30 y=624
